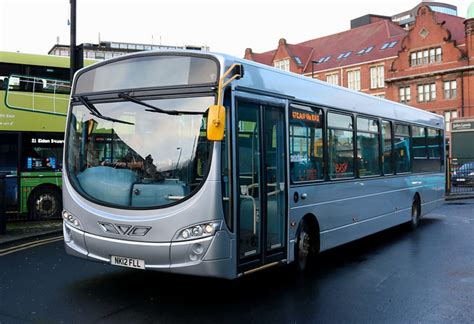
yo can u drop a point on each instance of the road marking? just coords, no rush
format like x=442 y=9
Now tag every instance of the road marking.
x=29 y=245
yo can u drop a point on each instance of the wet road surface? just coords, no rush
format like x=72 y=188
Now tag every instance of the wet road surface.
x=396 y=276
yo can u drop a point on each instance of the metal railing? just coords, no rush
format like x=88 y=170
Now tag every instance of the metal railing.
x=460 y=176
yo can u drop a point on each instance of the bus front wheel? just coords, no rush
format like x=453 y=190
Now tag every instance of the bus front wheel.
x=304 y=252
x=45 y=203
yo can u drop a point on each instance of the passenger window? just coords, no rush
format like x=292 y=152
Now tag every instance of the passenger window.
x=368 y=147
x=306 y=144
x=433 y=143
x=420 y=154
x=387 y=158
x=402 y=148
x=340 y=146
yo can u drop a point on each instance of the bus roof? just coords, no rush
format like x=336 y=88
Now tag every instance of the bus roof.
x=271 y=81
x=317 y=92
x=38 y=59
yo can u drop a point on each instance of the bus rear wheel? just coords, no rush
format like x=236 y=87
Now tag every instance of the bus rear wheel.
x=45 y=203
x=415 y=214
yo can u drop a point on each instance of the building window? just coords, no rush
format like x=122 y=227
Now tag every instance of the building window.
x=426 y=56
x=405 y=94
x=353 y=80
x=450 y=88
x=377 y=77
x=282 y=64
x=426 y=92
x=332 y=78
x=448 y=117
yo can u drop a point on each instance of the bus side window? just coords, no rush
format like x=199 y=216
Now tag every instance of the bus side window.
x=306 y=144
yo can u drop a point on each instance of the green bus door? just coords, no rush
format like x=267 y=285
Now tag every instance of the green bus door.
x=261 y=170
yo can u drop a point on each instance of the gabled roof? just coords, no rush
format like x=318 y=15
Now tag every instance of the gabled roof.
x=265 y=58
x=302 y=52
x=353 y=41
x=454 y=24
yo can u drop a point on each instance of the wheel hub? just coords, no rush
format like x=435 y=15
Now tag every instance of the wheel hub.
x=46 y=205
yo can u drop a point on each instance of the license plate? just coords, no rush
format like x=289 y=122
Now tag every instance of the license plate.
x=127 y=262
x=461 y=180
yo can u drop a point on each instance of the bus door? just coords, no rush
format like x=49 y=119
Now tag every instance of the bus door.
x=261 y=184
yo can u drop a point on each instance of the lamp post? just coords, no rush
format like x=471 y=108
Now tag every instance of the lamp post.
x=72 y=45
x=179 y=157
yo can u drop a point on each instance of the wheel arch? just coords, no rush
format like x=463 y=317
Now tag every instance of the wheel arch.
x=313 y=224
x=417 y=198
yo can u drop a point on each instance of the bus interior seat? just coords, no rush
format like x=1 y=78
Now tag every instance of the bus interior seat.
x=111 y=185
x=153 y=194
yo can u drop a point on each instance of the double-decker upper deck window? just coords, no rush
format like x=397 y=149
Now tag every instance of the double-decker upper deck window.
x=148 y=71
x=340 y=146
x=306 y=144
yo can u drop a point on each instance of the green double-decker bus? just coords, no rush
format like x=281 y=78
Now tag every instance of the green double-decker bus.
x=34 y=95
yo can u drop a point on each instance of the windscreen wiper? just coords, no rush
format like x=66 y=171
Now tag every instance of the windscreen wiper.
x=156 y=109
x=94 y=112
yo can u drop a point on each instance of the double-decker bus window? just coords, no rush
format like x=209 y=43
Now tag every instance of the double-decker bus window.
x=368 y=146
x=387 y=159
x=340 y=146
x=306 y=145
x=42 y=152
x=402 y=148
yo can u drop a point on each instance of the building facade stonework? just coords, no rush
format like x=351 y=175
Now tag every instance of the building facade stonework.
x=428 y=65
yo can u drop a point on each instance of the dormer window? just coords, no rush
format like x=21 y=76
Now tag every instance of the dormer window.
x=282 y=64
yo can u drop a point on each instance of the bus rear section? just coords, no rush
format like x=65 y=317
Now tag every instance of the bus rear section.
x=141 y=177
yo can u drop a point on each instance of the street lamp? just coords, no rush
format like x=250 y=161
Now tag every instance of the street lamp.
x=179 y=157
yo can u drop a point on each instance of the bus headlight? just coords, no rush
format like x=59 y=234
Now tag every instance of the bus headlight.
x=197 y=231
x=71 y=219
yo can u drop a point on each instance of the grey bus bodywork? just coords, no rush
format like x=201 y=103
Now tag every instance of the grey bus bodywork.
x=342 y=210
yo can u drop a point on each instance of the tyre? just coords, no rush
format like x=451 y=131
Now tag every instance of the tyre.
x=415 y=214
x=45 y=203
x=304 y=248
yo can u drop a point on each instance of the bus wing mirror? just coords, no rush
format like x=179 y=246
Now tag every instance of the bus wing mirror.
x=215 y=123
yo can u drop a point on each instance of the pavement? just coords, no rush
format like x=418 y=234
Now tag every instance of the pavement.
x=20 y=232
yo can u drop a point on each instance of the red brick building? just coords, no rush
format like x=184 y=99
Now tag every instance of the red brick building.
x=429 y=64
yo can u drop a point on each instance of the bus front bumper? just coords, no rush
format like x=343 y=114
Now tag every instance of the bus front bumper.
x=210 y=256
